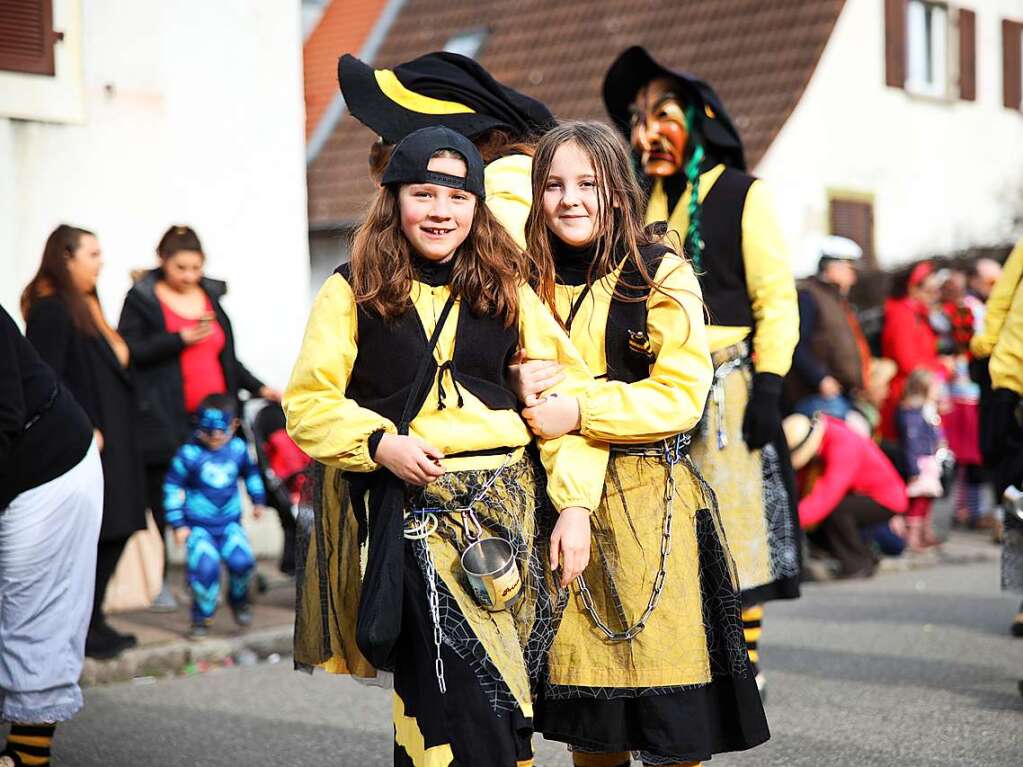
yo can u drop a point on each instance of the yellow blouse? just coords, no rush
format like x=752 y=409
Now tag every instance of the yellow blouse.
x=335 y=430
x=671 y=400
x=769 y=281
x=998 y=302
x=1006 y=364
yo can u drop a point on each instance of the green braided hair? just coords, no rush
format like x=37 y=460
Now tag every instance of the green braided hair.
x=694 y=239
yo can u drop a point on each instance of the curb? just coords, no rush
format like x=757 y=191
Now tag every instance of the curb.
x=172 y=658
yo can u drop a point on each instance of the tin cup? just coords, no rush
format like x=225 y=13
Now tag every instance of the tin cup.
x=493 y=573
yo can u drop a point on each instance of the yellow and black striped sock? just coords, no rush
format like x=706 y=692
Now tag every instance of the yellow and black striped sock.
x=752 y=618
x=583 y=759
x=31 y=743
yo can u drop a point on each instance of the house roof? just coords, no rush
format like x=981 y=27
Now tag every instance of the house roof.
x=344 y=27
x=758 y=56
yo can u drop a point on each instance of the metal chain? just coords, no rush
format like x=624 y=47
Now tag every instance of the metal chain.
x=434 y=600
x=673 y=454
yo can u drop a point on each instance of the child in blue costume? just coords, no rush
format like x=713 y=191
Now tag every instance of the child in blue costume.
x=204 y=508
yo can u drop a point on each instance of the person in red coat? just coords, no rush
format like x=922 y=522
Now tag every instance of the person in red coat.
x=908 y=338
x=847 y=486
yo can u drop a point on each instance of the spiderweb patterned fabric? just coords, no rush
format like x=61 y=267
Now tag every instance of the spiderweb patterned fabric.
x=782 y=537
x=507 y=649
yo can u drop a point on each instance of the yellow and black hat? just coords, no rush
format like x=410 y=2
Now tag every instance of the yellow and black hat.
x=636 y=68
x=437 y=89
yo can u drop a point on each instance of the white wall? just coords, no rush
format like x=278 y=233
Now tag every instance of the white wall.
x=943 y=174
x=193 y=113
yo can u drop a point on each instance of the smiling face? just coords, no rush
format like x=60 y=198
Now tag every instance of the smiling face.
x=659 y=131
x=436 y=219
x=85 y=263
x=571 y=204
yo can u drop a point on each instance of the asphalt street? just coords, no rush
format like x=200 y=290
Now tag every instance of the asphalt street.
x=908 y=669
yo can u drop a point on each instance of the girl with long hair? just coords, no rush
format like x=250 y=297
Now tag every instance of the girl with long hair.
x=649 y=656
x=64 y=321
x=400 y=393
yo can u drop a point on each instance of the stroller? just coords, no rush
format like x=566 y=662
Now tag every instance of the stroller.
x=282 y=466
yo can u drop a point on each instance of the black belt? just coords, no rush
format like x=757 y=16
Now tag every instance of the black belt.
x=46 y=408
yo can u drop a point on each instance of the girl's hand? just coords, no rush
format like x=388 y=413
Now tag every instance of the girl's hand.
x=181 y=535
x=897 y=524
x=530 y=378
x=553 y=416
x=570 y=543
x=409 y=458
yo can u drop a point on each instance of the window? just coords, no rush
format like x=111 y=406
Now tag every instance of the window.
x=467 y=43
x=926 y=48
x=1012 y=63
x=852 y=216
x=27 y=36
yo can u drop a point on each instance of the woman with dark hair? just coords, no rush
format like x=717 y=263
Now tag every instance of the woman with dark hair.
x=64 y=321
x=183 y=344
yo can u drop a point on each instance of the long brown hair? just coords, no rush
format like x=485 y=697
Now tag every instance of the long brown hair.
x=487 y=270
x=619 y=226
x=54 y=279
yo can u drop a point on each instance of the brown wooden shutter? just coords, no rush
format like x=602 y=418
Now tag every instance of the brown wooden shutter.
x=26 y=36
x=967 y=55
x=1012 y=32
x=855 y=219
x=895 y=43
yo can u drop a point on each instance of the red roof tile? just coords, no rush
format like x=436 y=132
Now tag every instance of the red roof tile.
x=757 y=55
x=343 y=27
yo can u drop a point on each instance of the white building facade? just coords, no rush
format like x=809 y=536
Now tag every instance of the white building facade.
x=165 y=113
x=939 y=173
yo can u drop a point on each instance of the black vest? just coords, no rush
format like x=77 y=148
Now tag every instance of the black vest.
x=724 y=273
x=390 y=352
x=626 y=344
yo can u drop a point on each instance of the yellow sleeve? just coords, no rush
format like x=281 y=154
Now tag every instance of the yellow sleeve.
x=998 y=302
x=770 y=284
x=1007 y=357
x=671 y=400
x=575 y=465
x=325 y=423
x=509 y=187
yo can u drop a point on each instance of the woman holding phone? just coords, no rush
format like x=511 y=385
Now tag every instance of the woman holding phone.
x=183 y=346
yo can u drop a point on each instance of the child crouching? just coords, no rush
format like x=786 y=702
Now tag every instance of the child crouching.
x=203 y=506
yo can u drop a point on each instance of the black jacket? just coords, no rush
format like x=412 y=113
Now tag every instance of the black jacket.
x=157 y=356
x=105 y=390
x=43 y=431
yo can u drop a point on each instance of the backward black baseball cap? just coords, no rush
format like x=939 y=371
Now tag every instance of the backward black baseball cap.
x=410 y=158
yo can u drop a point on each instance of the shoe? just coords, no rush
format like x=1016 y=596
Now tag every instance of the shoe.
x=242 y=614
x=1016 y=629
x=102 y=645
x=864 y=572
x=198 y=631
x=165 y=601
x=127 y=641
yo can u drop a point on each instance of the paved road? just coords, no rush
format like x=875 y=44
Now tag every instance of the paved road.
x=909 y=669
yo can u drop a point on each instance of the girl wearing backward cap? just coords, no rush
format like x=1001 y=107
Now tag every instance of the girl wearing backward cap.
x=399 y=392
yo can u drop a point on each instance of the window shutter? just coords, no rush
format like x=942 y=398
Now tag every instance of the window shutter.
x=1012 y=31
x=895 y=43
x=855 y=219
x=26 y=36
x=967 y=55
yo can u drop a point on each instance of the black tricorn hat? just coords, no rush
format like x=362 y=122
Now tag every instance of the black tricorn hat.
x=438 y=88
x=636 y=67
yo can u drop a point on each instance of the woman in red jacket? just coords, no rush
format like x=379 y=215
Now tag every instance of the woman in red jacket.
x=908 y=338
